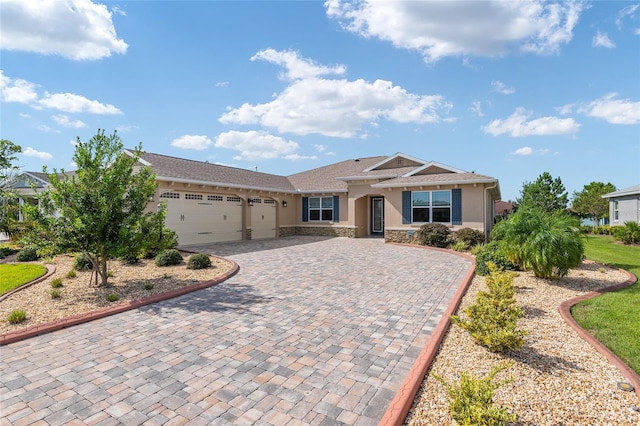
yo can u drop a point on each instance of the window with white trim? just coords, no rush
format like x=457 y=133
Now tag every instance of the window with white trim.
x=431 y=206
x=321 y=208
x=616 y=212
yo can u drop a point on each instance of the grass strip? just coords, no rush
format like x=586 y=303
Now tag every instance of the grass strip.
x=13 y=275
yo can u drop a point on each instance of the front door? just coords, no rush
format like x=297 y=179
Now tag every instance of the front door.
x=377 y=215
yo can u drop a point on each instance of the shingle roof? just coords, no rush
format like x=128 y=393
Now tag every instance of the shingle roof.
x=330 y=178
x=324 y=178
x=168 y=168
x=632 y=190
x=435 y=179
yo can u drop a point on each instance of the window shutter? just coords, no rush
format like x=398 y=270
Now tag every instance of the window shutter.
x=336 y=208
x=305 y=209
x=406 y=207
x=456 y=206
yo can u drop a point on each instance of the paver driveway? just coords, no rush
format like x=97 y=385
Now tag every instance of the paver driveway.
x=310 y=331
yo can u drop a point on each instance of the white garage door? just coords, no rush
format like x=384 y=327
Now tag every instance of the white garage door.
x=203 y=218
x=263 y=218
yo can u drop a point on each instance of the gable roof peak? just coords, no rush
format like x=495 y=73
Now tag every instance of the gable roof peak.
x=401 y=160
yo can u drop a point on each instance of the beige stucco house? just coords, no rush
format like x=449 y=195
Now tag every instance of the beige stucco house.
x=387 y=196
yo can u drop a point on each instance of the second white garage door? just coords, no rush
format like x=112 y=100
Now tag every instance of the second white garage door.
x=263 y=218
x=203 y=218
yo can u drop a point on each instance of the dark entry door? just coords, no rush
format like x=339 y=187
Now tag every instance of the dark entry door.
x=377 y=215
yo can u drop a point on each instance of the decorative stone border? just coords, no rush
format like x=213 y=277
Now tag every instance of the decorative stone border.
x=36 y=330
x=565 y=313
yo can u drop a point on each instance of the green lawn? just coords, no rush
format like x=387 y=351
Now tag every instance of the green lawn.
x=13 y=275
x=614 y=318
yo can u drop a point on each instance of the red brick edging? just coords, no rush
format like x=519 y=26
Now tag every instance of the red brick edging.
x=401 y=404
x=565 y=313
x=101 y=313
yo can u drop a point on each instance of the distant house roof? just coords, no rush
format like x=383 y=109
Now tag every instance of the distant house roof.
x=503 y=207
x=632 y=190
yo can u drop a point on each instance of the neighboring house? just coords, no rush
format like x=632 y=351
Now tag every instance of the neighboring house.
x=624 y=205
x=26 y=183
x=387 y=196
x=503 y=209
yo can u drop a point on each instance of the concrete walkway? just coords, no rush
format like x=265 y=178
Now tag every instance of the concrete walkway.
x=310 y=331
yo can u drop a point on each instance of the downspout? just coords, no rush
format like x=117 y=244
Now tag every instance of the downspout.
x=486 y=221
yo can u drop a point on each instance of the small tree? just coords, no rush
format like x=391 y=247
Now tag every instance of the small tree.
x=9 y=205
x=100 y=204
x=589 y=202
x=546 y=193
x=549 y=244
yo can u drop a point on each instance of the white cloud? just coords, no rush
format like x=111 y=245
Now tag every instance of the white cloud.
x=296 y=157
x=255 y=145
x=525 y=150
x=491 y=28
x=476 y=108
x=197 y=142
x=222 y=84
x=23 y=115
x=74 y=29
x=516 y=125
x=68 y=102
x=125 y=128
x=627 y=12
x=500 y=87
x=320 y=148
x=65 y=121
x=336 y=108
x=45 y=128
x=297 y=68
x=17 y=90
x=602 y=40
x=614 y=111
x=30 y=152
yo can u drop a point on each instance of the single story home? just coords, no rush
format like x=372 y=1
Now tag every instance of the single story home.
x=624 y=205
x=386 y=196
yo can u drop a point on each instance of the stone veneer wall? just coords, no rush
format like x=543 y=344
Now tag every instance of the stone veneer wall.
x=321 y=231
x=400 y=236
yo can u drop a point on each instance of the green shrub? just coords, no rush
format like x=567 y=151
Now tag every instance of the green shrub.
x=198 y=261
x=82 y=262
x=490 y=253
x=6 y=250
x=548 y=243
x=130 y=259
x=27 y=254
x=55 y=293
x=492 y=319
x=72 y=274
x=17 y=316
x=602 y=230
x=168 y=258
x=471 y=400
x=148 y=286
x=470 y=237
x=434 y=235
x=112 y=297
x=459 y=246
x=57 y=283
x=628 y=234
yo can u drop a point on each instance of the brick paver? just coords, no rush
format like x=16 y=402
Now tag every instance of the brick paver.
x=310 y=331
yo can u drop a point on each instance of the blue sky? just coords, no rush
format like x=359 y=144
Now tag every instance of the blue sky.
x=505 y=89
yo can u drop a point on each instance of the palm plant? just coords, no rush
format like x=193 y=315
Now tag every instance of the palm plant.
x=548 y=243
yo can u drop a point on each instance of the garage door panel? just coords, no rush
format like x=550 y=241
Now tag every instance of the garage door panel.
x=204 y=218
x=263 y=219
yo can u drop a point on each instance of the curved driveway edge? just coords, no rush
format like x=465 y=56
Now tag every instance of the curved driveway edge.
x=565 y=312
x=403 y=401
x=36 y=330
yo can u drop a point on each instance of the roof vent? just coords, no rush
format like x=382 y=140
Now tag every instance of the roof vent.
x=356 y=160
